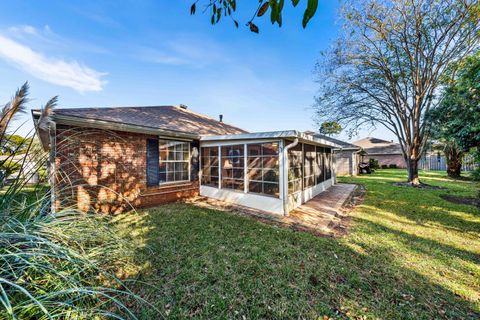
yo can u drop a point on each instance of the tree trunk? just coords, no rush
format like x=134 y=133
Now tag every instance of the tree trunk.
x=413 y=178
x=454 y=162
x=412 y=158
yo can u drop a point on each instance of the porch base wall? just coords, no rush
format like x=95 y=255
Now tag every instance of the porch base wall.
x=264 y=203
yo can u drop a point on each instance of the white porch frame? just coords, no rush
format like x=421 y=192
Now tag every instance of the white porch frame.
x=275 y=205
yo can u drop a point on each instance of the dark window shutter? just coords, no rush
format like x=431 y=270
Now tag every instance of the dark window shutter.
x=152 y=162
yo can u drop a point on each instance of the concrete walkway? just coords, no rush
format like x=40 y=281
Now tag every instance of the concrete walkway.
x=321 y=215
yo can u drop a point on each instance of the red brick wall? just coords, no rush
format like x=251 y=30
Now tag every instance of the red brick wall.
x=106 y=170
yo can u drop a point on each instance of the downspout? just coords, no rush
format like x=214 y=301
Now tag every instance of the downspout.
x=52 y=165
x=285 y=175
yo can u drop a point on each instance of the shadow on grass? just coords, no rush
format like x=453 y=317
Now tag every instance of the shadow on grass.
x=423 y=205
x=210 y=264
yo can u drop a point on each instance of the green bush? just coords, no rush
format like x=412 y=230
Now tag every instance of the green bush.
x=373 y=163
x=42 y=175
x=384 y=166
x=476 y=172
x=58 y=265
x=9 y=167
x=393 y=166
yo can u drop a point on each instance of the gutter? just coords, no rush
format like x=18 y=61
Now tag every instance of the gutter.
x=111 y=125
x=285 y=175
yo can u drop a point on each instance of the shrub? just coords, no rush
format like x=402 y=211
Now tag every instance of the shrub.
x=373 y=163
x=42 y=175
x=55 y=265
x=392 y=166
x=384 y=166
x=476 y=172
x=9 y=167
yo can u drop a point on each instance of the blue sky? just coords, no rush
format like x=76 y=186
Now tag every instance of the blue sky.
x=126 y=53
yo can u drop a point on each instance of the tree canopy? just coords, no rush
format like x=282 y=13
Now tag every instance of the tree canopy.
x=456 y=121
x=330 y=127
x=458 y=115
x=387 y=65
x=227 y=8
x=14 y=144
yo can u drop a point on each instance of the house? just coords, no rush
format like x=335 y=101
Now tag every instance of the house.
x=346 y=157
x=115 y=159
x=385 y=152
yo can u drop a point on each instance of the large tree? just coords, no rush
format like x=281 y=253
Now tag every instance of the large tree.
x=456 y=121
x=386 y=66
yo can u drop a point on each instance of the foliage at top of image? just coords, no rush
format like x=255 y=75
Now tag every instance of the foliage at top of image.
x=227 y=8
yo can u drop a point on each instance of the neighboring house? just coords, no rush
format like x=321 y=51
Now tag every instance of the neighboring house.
x=386 y=152
x=113 y=159
x=347 y=156
x=27 y=169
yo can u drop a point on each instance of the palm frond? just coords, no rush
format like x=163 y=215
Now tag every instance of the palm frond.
x=45 y=117
x=12 y=108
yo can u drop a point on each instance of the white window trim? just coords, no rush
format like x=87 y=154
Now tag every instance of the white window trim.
x=189 y=161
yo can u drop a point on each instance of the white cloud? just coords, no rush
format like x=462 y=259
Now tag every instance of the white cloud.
x=54 y=70
x=27 y=29
x=184 y=49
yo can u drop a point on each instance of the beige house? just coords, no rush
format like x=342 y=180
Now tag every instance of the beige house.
x=346 y=156
x=384 y=151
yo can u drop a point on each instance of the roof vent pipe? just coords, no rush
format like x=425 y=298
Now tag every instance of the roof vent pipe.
x=183 y=106
x=220 y=117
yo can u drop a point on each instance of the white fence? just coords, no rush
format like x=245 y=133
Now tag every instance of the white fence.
x=439 y=162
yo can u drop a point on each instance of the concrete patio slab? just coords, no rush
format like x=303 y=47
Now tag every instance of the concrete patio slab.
x=322 y=215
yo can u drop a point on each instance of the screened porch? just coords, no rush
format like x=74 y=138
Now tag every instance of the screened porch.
x=266 y=171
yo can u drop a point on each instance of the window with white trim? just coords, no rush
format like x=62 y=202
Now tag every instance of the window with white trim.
x=174 y=161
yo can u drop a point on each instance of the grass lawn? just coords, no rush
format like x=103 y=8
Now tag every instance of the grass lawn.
x=409 y=255
x=28 y=194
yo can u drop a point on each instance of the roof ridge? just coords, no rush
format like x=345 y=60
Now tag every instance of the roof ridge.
x=206 y=117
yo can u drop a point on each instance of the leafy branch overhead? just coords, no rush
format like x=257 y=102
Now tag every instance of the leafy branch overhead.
x=227 y=8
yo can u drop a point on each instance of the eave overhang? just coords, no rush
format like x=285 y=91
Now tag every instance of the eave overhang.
x=288 y=134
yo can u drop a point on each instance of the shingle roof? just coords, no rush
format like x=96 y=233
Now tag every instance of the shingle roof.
x=373 y=145
x=343 y=144
x=173 y=118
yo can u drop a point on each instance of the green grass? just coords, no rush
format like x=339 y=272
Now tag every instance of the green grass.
x=408 y=255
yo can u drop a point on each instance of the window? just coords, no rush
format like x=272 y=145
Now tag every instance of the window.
x=174 y=161
x=309 y=168
x=263 y=168
x=295 y=168
x=210 y=166
x=319 y=168
x=233 y=167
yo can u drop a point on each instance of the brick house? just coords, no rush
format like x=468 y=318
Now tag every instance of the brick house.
x=116 y=159
x=385 y=152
